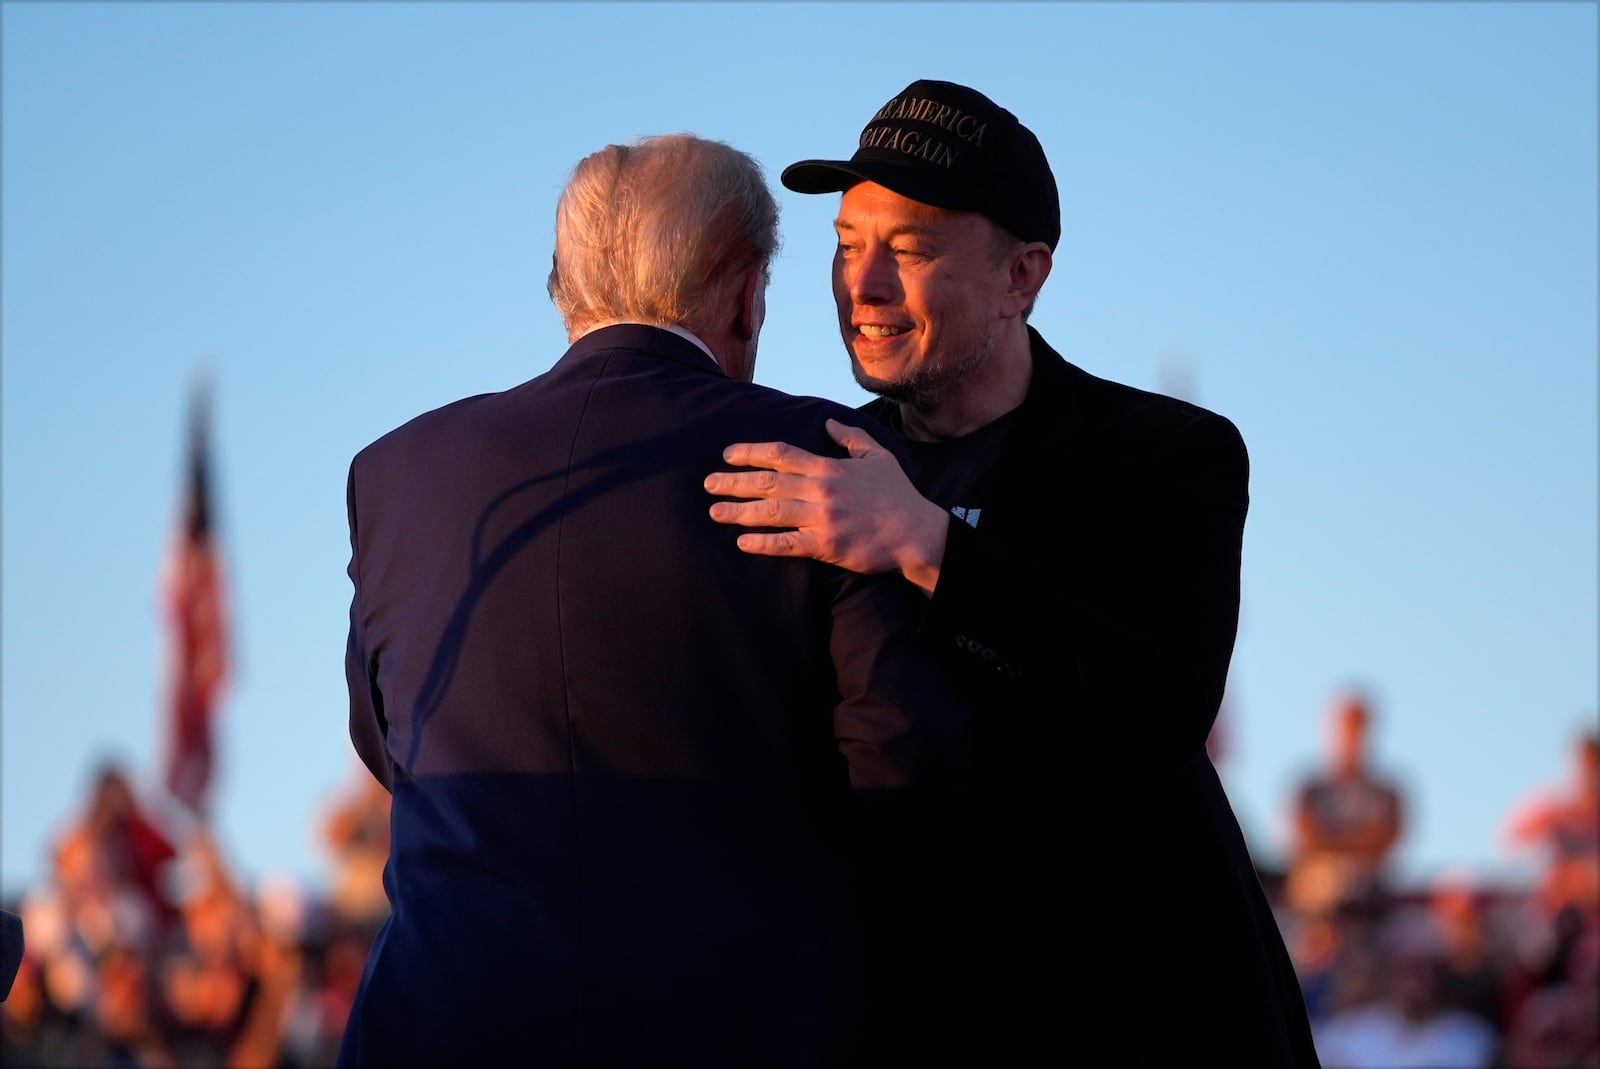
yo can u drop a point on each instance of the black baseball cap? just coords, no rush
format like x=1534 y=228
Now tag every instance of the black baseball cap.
x=952 y=147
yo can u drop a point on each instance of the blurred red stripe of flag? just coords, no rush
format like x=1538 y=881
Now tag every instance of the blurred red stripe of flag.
x=196 y=615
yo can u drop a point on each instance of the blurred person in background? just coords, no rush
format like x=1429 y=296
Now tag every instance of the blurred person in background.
x=1400 y=1020
x=1563 y=825
x=98 y=924
x=96 y=928
x=277 y=961
x=640 y=780
x=1348 y=819
x=36 y=1028
x=1554 y=987
x=1314 y=947
x=1557 y=1026
x=330 y=974
x=127 y=1011
x=1474 y=962
x=1334 y=956
x=209 y=976
x=50 y=1000
x=115 y=854
x=1076 y=544
x=355 y=833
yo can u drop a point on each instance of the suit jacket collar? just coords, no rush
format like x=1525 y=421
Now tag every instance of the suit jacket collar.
x=657 y=341
x=1050 y=409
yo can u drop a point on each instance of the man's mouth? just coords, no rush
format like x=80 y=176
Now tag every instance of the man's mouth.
x=878 y=330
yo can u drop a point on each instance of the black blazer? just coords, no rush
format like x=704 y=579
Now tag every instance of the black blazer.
x=631 y=766
x=1097 y=600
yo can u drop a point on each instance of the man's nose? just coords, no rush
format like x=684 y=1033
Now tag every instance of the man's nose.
x=872 y=278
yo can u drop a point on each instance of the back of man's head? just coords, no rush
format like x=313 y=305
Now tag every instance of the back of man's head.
x=651 y=232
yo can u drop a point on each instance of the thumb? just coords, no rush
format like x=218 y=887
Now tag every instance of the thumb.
x=857 y=441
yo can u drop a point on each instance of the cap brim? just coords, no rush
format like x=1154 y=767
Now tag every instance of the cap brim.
x=821 y=176
x=836 y=176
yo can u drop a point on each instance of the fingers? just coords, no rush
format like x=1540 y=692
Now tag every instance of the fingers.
x=791 y=459
x=781 y=544
x=750 y=484
x=779 y=456
x=767 y=512
x=856 y=440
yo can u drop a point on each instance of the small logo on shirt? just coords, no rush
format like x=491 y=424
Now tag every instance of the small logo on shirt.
x=969 y=515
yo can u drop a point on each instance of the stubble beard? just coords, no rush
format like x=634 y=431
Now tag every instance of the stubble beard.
x=927 y=387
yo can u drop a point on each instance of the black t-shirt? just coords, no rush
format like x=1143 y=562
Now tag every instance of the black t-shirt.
x=956 y=473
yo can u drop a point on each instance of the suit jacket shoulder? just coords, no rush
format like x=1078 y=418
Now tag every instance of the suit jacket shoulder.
x=1066 y=404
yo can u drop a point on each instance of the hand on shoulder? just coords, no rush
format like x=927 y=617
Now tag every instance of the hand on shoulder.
x=859 y=512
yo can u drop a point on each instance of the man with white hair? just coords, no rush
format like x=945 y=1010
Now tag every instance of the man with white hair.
x=644 y=785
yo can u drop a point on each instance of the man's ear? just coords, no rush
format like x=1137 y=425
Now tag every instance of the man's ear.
x=1027 y=267
x=751 y=309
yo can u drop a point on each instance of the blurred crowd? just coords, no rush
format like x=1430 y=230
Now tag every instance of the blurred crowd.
x=146 y=949
x=1454 y=973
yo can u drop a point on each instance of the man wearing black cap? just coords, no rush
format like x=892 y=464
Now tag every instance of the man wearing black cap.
x=1079 y=541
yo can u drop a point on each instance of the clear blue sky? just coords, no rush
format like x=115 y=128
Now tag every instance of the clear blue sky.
x=1366 y=232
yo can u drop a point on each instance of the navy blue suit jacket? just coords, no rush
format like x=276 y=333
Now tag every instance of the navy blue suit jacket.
x=633 y=769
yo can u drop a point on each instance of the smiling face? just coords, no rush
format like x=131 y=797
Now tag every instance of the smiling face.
x=921 y=293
